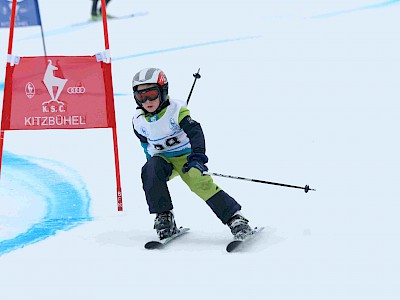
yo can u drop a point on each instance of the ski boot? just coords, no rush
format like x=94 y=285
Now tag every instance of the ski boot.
x=239 y=226
x=164 y=224
x=100 y=16
x=95 y=17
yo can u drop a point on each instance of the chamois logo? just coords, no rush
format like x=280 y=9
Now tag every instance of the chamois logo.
x=51 y=82
x=30 y=90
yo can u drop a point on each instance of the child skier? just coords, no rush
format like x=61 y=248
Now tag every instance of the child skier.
x=174 y=145
x=96 y=12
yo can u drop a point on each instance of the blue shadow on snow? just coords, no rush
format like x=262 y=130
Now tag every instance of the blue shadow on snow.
x=67 y=202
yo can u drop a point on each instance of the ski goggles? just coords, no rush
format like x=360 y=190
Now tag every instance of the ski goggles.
x=148 y=94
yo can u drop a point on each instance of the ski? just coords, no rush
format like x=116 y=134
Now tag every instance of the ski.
x=161 y=243
x=238 y=243
x=90 y=21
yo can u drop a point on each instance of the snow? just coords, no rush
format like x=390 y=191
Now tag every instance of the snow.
x=298 y=92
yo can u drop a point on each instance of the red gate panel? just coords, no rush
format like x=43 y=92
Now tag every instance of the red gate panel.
x=57 y=92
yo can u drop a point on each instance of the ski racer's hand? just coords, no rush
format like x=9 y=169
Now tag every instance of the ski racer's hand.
x=195 y=165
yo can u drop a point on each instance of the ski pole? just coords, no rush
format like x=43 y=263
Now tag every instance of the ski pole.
x=196 y=76
x=306 y=188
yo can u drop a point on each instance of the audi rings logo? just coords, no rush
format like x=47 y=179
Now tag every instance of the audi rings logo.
x=76 y=90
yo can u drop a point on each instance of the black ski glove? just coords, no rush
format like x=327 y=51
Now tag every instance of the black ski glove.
x=196 y=161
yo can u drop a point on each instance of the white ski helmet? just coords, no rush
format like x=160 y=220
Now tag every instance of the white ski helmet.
x=149 y=76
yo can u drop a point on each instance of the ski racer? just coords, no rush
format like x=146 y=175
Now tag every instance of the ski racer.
x=174 y=145
x=96 y=10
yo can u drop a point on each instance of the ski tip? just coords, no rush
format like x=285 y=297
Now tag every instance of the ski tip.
x=232 y=246
x=153 y=245
x=183 y=229
x=237 y=243
x=161 y=243
x=257 y=229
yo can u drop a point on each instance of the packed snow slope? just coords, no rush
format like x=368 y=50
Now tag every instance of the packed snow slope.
x=297 y=92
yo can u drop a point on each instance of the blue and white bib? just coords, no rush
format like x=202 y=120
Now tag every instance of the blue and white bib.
x=164 y=136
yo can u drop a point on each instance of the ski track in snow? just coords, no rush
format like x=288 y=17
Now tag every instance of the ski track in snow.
x=75 y=27
x=64 y=197
x=178 y=48
x=357 y=9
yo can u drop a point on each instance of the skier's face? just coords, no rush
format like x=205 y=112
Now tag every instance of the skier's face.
x=149 y=105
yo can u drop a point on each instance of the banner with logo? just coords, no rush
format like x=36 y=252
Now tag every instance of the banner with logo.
x=56 y=92
x=60 y=92
x=27 y=13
